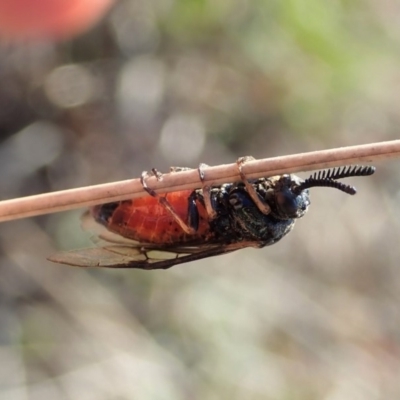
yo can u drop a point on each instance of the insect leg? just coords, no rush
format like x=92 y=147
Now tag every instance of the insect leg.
x=193 y=212
x=164 y=202
x=212 y=214
x=261 y=205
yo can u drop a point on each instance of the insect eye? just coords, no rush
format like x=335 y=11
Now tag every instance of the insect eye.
x=286 y=202
x=291 y=205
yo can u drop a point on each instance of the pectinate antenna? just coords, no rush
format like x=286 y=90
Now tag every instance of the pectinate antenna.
x=328 y=178
x=344 y=172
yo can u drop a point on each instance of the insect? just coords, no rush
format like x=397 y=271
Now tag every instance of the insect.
x=158 y=232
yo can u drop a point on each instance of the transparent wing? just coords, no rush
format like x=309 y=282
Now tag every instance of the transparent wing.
x=120 y=256
x=101 y=236
x=115 y=251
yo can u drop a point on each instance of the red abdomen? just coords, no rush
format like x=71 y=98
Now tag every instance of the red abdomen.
x=146 y=220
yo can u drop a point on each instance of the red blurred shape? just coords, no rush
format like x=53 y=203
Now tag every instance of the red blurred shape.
x=50 y=19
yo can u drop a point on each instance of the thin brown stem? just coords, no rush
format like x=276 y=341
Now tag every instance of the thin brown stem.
x=115 y=191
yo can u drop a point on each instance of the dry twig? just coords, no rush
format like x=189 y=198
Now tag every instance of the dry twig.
x=115 y=191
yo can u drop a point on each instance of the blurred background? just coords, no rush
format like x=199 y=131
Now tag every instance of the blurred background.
x=178 y=82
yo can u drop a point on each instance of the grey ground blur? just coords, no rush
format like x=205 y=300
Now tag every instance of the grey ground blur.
x=163 y=83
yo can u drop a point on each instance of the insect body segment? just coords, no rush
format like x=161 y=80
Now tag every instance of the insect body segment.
x=164 y=231
x=147 y=220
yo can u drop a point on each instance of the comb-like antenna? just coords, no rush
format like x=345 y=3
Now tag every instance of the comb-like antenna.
x=328 y=178
x=345 y=172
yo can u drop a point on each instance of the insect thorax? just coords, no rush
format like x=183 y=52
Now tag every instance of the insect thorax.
x=240 y=219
